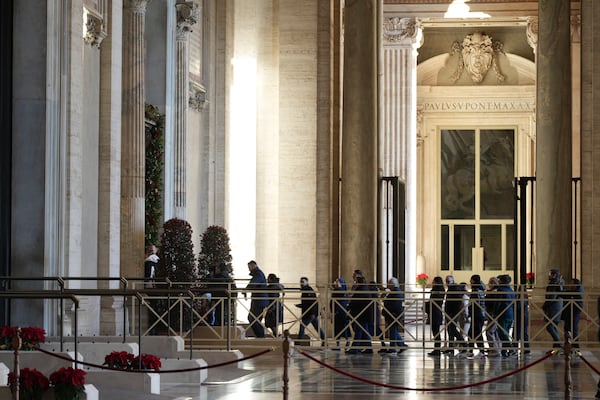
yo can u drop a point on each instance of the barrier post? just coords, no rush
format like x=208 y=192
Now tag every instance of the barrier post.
x=286 y=362
x=567 y=350
x=16 y=343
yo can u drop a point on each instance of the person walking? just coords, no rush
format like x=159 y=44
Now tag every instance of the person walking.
x=259 y=301
x=274 y=313
x=339 y=309
x=393 y=313
x=453 y=308
x=553 y=305
x=310 y=310
x=477 y=313
x=506 y=315
x=571 y=314
x=361 y=312
x=436 y=315
x=220 y=285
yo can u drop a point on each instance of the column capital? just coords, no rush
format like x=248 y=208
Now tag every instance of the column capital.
x=397 y=30
x=94 y=28
x=188 y=14
x=136 y=6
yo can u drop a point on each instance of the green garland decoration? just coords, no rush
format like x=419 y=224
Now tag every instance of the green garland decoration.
x=154 y=173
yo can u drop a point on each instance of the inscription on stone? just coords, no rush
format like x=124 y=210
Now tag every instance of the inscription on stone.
x=477 y=106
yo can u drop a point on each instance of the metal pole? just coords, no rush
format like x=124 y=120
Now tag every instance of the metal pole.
x=16 y=343
x=568 y=381
x=286 y=362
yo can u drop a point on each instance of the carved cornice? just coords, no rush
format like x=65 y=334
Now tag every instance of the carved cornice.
x=532 y=33
x=197 y=97
x=188 y=14
x=396 y=29
x=94 y=28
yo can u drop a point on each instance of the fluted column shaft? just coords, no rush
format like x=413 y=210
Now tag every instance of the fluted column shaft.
x=401 y=39
x=187 y=15
x=553 y=145
x=359 y=138
x=133 y=139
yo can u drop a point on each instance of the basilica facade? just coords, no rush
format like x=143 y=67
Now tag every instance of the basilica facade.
x=393 y=136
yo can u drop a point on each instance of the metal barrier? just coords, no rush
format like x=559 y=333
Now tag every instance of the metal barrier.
x=185 y=309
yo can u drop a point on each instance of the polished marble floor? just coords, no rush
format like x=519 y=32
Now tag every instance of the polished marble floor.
x=412 y=370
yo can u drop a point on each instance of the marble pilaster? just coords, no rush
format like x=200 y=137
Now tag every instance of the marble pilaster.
x=109 y=166
x=401 y=39
x=553 y=147
x=133 y=139
x=359 y=138
x=187 y=16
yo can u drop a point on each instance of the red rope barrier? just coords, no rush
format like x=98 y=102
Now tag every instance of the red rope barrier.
x=260 y=353
x=588 y=363
x=440 y=389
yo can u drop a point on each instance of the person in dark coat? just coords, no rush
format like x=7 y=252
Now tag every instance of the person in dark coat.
x=258 y=285
x=436 y=315
x=477 y=313
x=361 y=312
x=274 y=314
x=339 y=309
x=505 y=305
x=393 y=310
x=310 y=309
x=220 y=285
x=553 y=305
x=453 y=307
x=573 y=296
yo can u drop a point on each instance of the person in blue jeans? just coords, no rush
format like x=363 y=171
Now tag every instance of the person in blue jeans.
x=310 y=309
x=506 y=314
x=553 y=305
x=393 y=310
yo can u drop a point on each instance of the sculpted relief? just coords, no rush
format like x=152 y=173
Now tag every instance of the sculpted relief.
x=477 y=54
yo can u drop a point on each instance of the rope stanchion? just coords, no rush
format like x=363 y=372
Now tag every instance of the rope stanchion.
x=567 y=350
x=16 y=344
x=171 y=371
x=436 y=389
x=596 y=371
x=286 y=362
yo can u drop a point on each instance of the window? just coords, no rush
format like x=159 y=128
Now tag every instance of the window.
x=477 y=199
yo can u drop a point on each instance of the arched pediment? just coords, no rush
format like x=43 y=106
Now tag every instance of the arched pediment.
x=440 y=70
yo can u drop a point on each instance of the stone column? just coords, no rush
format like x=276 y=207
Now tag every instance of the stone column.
x=109 y=182
x=590 y=142
x=187 y=15
x=133 y=139
x=553 y=146
x=359 y=138
x=401 y=39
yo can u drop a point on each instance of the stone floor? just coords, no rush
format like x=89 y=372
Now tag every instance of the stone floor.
x=413 y=370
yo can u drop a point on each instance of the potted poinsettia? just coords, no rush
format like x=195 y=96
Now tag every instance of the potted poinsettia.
x=32 y=384
x=68 y=383
x=31 y=337
x=148 y=361
x=119 y=360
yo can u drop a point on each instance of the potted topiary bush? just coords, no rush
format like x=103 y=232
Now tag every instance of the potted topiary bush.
x=177 y=263
x=214 y=269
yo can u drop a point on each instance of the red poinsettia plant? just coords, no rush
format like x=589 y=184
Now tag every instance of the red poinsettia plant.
x=148 y=361
x=32 y=383
x=31 y=337
x=530 y=278
x=422 y=279
x=68 y=383
x=119 y=360
x=125 y=360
